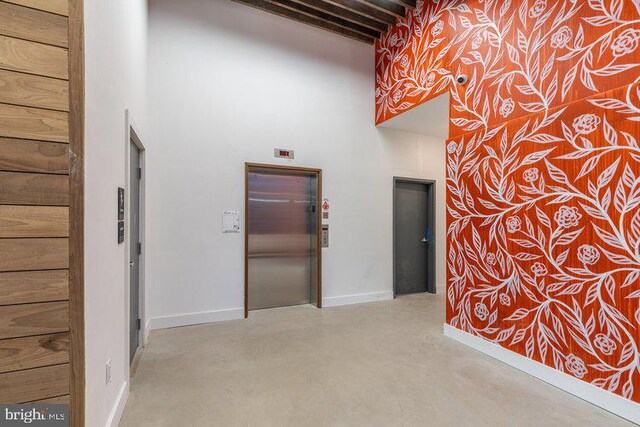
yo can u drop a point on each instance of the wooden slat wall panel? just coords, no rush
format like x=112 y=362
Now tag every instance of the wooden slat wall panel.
x=34 y=25
x=33 y=221
x=24 y=320
x=34 y=254
x=31 y=352
x=33 y=58
x=61 y=7
x=34 y=384
x=41 y=353
x=33 y=189
x=60 y=400
x=34 y=286
x=33 y=123
x=22 y=155
x=34 y=91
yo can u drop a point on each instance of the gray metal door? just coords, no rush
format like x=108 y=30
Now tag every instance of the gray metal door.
x=413 y=238
x=282 y=241
x=134 y=246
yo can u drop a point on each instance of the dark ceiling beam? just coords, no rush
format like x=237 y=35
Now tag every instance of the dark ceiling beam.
x=366 y=10
x=386 y=6
x=268 y=6
x=411 y=4
x=329 y=19
x=347 y=14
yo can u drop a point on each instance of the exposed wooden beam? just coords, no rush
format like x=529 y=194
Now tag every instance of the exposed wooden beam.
x=298 y=16
x=411 y=4
x=364 y=9
x=347 y=14
x=386 y=6
x=328 y=18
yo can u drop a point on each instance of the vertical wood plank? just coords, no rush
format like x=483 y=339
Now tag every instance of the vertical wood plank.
x=76 y=198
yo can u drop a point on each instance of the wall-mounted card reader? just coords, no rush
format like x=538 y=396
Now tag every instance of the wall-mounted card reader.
x=325 y=235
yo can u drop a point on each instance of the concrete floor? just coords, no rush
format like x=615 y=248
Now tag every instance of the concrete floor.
x=377 y=364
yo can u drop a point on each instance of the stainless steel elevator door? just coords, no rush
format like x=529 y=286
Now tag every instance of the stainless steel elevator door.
x=282 y=239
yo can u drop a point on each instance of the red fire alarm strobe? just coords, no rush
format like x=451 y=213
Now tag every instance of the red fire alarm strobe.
x=325 y=205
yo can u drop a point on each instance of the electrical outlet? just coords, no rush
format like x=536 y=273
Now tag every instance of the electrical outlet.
x=108 y=372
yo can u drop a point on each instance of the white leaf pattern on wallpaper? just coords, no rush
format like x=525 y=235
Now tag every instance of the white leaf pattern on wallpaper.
x=543 y=200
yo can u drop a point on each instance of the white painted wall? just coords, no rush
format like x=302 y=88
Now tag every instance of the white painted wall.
x=115 y=44
x=228 y=84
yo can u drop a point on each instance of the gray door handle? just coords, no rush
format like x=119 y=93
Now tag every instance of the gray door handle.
x=132 y=263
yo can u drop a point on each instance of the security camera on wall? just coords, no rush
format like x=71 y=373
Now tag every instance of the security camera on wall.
x=463 y=79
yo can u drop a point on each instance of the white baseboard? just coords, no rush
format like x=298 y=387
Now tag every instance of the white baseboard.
x=147 y=329
x=356 y=299
x=195 y=318
x=118 y=407
x=606 y=400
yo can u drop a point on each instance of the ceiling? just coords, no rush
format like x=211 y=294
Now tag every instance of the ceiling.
x=430 y=118
x=362 y=20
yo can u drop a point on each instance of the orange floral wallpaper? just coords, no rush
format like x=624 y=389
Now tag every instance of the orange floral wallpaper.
x=543 y=172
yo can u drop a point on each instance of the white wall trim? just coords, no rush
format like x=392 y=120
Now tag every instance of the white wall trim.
x=356 y=299
x=606 y=400
x=118 y=407
x=187 y=319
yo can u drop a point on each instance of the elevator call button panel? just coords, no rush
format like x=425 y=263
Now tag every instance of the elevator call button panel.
x=325 y=235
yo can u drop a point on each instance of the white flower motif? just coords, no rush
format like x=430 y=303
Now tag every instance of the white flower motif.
x=491 y=258
x=539 y=270
x=404 y=61
x=586 y=123
x=505 y=300
x=605 y=344
x=397 y=96
x=530 y=175
x=452 y=147
x=576 y=366
x=537 y=9
x=482 y=312
x=437 y=29
x=561 y=38
x=507 y=107
x=513 y=224
x=567 y=217
x=627 y=42
x=588 y=254
x=394 y=40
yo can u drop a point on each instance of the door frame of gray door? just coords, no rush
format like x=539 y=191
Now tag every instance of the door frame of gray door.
x=133 y=136
x=248 y=166
x=431 y=258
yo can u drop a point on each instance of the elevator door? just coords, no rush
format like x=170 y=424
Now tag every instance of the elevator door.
x=282 y=241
